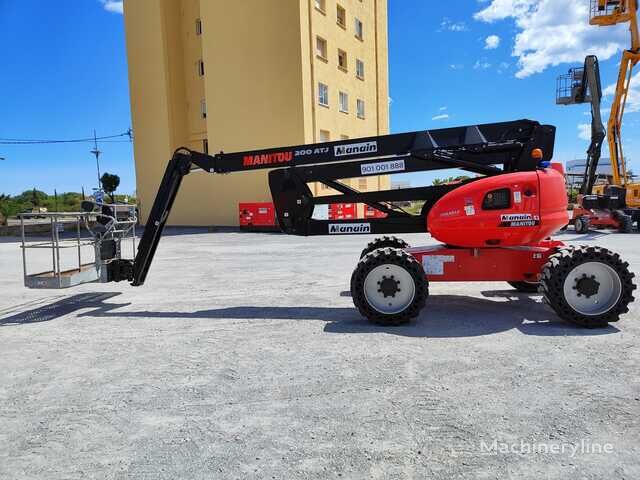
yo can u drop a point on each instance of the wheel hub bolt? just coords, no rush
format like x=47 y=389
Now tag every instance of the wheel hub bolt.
x=388 y=286
x=587 y=286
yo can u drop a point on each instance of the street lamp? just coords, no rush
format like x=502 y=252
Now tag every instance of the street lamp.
x=97 y=153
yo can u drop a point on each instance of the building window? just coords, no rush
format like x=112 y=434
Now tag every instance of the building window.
x=360 y=108
x=203 y=108
x=362 y=184
x=341 y=16
x=321 y=48
x=360 y=69
x=205 y=146
x=342 y=60
x=323 y=94
x=320 y=5
x=344 y=102
x=201 y=68
x=198 y=26
x=359 y=29
x=325 y=136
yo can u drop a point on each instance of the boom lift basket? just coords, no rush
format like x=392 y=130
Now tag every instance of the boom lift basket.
x=569 y=88
x=607 y=12
x=80 y=245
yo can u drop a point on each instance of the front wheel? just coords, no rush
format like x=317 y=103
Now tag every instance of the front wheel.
x=389 y=287
x=581 y=224
x=587 y=286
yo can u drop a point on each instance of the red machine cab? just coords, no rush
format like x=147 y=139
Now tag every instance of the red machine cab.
x=501 y=211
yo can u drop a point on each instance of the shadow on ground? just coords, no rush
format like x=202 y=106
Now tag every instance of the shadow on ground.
x=444 y=316
x=575 y=236
x=42 y=312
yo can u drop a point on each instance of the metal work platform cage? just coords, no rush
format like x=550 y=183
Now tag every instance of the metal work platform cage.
x=568 y=87
x=606 y=12
x=75 y=247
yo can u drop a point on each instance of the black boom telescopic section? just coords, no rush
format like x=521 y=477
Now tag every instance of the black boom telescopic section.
x=476 y=148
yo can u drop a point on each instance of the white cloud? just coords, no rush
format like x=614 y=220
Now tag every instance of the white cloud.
x=442 y=109
x=633 y=98
x=113 y=6
x=491 y=42
x=443 y=116
x=481 y=65
x=551 y=32
x=448 y=25
x=456 y=66
x=584 y=131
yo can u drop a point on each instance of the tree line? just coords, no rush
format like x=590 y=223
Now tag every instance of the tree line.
x=34 y=199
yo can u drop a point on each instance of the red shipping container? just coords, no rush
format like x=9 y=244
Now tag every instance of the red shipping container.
x=342 y=211
x=257 y=215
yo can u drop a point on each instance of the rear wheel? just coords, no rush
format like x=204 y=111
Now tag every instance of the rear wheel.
x=581 y=224
x=588 y=286
x=384 y=242
x=626 y=222
x=389 y=287
x=525 y=287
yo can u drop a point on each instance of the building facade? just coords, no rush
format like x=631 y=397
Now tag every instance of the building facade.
x=604 y=173
x=214 y=75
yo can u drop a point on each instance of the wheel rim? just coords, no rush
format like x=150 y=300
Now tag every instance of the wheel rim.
x=389 y=289
x=592 y=288
x=578 y=224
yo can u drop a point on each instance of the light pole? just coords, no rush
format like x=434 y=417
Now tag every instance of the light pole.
x=97 y=153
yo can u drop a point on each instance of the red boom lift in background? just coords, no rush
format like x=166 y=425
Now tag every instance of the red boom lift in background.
x=494 y=227
x=615 y=206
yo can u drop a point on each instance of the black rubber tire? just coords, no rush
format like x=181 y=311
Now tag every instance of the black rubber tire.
x=560 y=264
x=526 y=287
x=395 y=256
x=384 y=242
x=582 y=224
x=626 y=223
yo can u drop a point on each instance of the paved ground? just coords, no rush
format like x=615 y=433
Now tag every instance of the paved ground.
x=242 y=357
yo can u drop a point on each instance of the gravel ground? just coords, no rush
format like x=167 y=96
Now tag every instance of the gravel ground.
x=242 y=357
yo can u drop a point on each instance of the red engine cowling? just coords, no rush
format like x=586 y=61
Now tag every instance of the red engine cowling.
x=505 y=210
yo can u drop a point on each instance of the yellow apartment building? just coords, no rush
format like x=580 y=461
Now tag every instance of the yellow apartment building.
x=216 y=75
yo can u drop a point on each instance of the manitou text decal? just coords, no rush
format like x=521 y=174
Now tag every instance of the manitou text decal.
x=382 y=167
x=519 y=220
x=267 y=159
x=348 y=228
x=355 y=148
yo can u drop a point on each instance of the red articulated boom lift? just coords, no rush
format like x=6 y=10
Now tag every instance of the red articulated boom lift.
x=608 y=211
x=615 y=206
x=495 y=227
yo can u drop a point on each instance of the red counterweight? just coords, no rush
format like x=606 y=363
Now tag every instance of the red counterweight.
x=521 y=208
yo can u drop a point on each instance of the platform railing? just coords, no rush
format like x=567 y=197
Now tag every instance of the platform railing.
x=101 y=227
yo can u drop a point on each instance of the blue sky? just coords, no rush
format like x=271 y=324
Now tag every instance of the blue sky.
x=483 y=61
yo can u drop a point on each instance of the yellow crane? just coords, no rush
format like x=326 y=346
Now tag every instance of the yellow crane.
x=608 y=13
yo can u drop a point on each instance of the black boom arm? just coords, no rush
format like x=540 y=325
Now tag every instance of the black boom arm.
x=477 y=149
